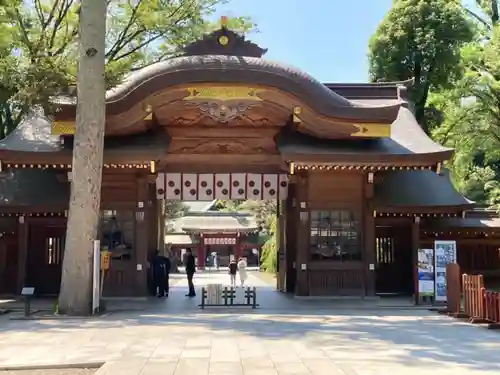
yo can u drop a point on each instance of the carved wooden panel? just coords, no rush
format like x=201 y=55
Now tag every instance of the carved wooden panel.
x=224 y=163
x=222 y=146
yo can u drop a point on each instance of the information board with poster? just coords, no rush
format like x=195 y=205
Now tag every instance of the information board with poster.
x=445 y=252
x=425 y=267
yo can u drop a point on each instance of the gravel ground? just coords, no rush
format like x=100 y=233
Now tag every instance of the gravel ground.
x=62 y=371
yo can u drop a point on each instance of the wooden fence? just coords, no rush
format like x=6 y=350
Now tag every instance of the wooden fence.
x=479 y=305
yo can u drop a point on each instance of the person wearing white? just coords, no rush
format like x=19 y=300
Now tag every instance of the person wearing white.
x=242 y=269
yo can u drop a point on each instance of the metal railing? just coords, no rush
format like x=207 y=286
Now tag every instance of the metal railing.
x=216 y=295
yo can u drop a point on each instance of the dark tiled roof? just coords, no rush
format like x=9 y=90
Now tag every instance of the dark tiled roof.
x=199 y=206
x=407 y=141
x=33 y=135
x=179 y=239
x=417 y=189
x=217 y=221
x=33 y=187
x=378 y=90
x=467 y=222
x=238 y=69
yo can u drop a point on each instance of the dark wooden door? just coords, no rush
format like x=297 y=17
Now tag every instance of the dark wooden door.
x=45 y=256
x=8 y=264
x=393 y=270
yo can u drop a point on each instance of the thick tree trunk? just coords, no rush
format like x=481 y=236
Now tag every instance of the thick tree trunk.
x=75 y=297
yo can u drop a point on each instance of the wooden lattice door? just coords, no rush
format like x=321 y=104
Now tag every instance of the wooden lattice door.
x=393 y=272
x=45 y=256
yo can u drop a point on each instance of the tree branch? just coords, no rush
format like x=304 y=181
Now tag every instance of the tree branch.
x=113 y=51
x=478 y=18
x=61 y=17
x=24 y=33
x=125 y=42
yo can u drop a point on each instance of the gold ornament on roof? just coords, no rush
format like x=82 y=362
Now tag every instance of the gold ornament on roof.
x=223 y=40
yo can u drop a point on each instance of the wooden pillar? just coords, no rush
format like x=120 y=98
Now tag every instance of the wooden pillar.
x=23 y=243
x=415 y=244
x=301 y=218
x=141 y=235
x=368 y=235
x=152 y=212
x=281 y=255
x=160 y=243
x=290 y=250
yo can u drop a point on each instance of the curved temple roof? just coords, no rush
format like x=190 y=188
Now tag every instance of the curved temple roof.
x=408 y=142
x=32 y=143
x=241 y=70
x=403 y=189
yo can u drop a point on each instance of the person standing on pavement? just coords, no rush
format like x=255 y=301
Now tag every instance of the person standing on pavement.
x=168 y=266
x=159 y=274
x=190 y=270
x=242 y=270
x=233 y=269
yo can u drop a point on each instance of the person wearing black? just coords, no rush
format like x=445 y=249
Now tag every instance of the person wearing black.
x=168 y=266
x=152 y=287
x=190 y=270
x=233 y=269
x=160 y=274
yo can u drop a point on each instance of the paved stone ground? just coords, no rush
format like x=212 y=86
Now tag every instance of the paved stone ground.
x=285 y=336
x=69 y=371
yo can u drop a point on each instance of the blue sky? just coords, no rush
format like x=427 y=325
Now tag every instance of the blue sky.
x=326 y=38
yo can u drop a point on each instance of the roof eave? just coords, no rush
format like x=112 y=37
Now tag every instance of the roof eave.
x=368 y=159
x=220 y=230
x=66 y=156
x=441 y=209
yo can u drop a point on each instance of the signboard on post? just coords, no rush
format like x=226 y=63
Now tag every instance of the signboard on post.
x=445 y=252
x=425 y=269
x=104 y=261
x=96 y=289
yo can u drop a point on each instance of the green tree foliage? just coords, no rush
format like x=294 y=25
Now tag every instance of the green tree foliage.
x=268 y=255
x=173 y=210
x=38 y=44
x=452 y=52
x=265 y=212
x=420 y=39
x=471 y=121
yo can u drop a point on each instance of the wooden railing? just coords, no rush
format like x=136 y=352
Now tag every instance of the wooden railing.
x=492 y=306
x=473 y=292
x=479 y=305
